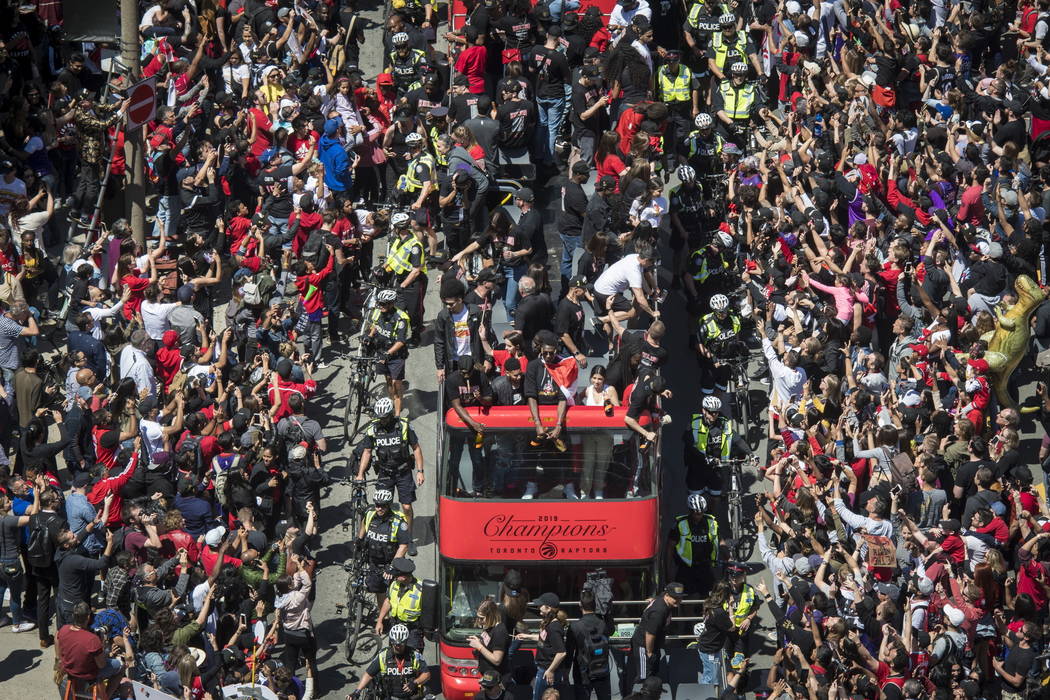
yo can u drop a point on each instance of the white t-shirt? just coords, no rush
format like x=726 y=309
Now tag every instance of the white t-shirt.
x=9 y=192
x=234 y=78
x=653 y=213
x=625 y=272
x=461 y=332
x=152 y=435
x=155 y=318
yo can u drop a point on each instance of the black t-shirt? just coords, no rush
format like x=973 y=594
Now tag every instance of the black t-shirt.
x=540 y=385
x=583 y=98
x=534 y=314
x=573 y=209
x=517 y=119
x=887 y=68
x=643 y=399
x=552 y=642
x=717 y=626
x=469 y=392
x=569 y=320
x=653 y=356
x=281 y=207
x=967 y=471
x=1018 y=661
x=517 y=31
x=655 y=619
x=551 y=70
x=529 y=230
x=495 y=639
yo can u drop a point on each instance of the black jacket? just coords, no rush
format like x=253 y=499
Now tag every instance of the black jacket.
x=445 y=342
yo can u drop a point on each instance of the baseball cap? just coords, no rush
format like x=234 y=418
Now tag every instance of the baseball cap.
x=403 y=566
x=607 y=182
x=147 y=404
x=213 y=538
x=890 y=590
x=802 y=566
x=384 y=79
x=185 y=293
x=551 y=600
x=490 y=680
x=736 y=570
x=953 y=615
x=525 y=195
x=675 y=590
x=578 y=282
x=81 y=480
x=924 y=585
x=512 y=583
x=581 y=168
x=439 y=112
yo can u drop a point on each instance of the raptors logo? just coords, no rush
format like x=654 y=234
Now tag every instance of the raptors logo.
x=548 y=550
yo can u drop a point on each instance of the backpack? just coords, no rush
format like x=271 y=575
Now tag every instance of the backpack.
x=250 y=293
x=593 y=653
x=40 y=549
x=191 y=444
x=903 y=472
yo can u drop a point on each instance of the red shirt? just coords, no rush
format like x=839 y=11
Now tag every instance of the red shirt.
x=471 y=63
x=301 y=146
x=309 y=288
x=971 y=208
x=263 y=139
x=954 y=547
x=113 y=485
x=105 y=457
x=79 y=649
x=236 y=230
x=209 y=557
x=286 y=389
x=500 y=357
x=612 y=166
x=138 y=288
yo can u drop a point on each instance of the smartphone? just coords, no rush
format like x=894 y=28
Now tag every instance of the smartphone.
x=244 y=619
x=896 y=490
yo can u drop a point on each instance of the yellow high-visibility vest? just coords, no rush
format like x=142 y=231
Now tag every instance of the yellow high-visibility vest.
x=737 y=102
x=675 y=89
x=400 y=260
x=684 y=547
x=406 y=603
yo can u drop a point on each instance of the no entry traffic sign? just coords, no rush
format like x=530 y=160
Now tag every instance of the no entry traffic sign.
x=143 y=103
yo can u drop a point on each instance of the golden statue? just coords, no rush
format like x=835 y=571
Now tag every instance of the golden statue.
x=1008 y=343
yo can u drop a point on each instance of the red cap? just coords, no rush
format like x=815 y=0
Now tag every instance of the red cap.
x=979 y=365
x=384 y=79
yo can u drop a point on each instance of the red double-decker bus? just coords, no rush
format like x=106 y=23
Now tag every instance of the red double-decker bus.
x=552 y=540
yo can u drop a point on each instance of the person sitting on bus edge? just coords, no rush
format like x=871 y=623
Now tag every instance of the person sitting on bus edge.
x=508 y=389
x=694 y=547
x=542 y=388
x=717 y=339
x=400 y=671
x=469 y=388
x=648 y=641
x=589 y=642
x=550 y=645
x=404 y=602
x=458 y=328
x=382 y=536
x=634 y=271
x=389 y=333
x=390 y=439
x=708 y=441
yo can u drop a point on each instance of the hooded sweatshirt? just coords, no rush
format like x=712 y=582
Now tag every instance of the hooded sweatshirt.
x=337 y=175
x=169 y=358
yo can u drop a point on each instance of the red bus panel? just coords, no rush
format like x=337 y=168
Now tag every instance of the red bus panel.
x=604 y=531
x=496 y=417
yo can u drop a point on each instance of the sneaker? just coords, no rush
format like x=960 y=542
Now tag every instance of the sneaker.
x=24 y=627
x=530 y=491
x=570 y=492
x=599 y=495
x=633 y=492
x=321 y=364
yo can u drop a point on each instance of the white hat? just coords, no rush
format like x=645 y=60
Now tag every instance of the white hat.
x=983 y=247
x=198 y=656
x=911 y=398
x=801 y=38
x=860 y=159
x=925 y=585
x=953 y=615
x=792 y=7
x=868 y=78
x=972 y=385
x=213 y=538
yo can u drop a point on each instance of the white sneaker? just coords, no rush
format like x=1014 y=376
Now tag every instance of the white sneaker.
x=24 y=627
x=633 y=493
x=599 y=495
x=530 y=491
x=570 y=492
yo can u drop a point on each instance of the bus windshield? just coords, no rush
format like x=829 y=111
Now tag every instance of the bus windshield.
x=467 y=585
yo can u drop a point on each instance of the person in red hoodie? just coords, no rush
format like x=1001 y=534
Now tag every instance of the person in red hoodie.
x=114 y=483
x=310 y=284
x=285 y=387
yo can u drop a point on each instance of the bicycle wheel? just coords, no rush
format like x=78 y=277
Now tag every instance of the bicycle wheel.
x=361 y=390
x=352 y=399
x=355 y=625
x=357 y=511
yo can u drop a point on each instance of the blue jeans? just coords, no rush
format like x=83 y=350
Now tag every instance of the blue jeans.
x=569 y=244
x=15 y=586
x=710 y=667
x=551 y=114
x=278 y=227
x=540 y=684
x=168 y=209
x=510 y=294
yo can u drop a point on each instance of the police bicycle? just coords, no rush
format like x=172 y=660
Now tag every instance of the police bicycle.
x=359 y=393
x=739 y=388
x=361 y=607
x=740 y=549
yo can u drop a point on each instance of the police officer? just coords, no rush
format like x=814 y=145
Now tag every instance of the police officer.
x=704 y=147
x=389 y=331
x=404 y=602
x=407 y=262
x=700 y=25
x=736 y=101
x=383 y=535
x=400 y=671
x=694 y=547
x=729 y=46
x=687 y=209
x=708 y=441
x=707 y=266
x=393 y=444
x=406 y=64
x=742 y=607
x=717 y=339
x=678 y=89
x=420 y=178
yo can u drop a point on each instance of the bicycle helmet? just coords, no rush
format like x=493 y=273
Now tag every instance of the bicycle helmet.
x=414 y=139
x=386 y=296
x=399 y=39
x=686 y=173
x=726 y=20
x=697 y=503
x=383 y=407
x=398 y=634
x=738 y=68
x=724 y=239
x=383 y=496
x=719 y=302
x=400 y=219
x=712 y=403
x=704 y=121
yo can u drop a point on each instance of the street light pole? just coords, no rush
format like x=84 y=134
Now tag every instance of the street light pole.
x=135 y=192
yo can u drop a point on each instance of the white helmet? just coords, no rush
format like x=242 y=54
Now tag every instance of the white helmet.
x=704 y=121
x=400 y=219
x=697 y=502
x=399 y=39
x=724 y=239
x=382 y=407
x=727 y=19
x=386 y=296
x=745 y=309
x=413 y=138
x=398 y=634
x=686 y=173
x=738 y=68
x=719 y=302
x=383 y=496
x=713 y=403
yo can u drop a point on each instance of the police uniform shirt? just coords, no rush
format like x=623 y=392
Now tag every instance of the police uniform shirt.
x=398 y=670
x=732 y=55
x=422 y=169
x=415 y=256
x=687 y=202
x=388 y=444
x=381 y=538
x=702 y=543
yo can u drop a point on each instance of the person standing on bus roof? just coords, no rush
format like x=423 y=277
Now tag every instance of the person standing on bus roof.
x=404 y=602
x=394 y=447
x=466 y=388
x=550 y=645
x=648 y=640
x=458 y=329
x=383 y=535
x=694 y=547
x=543 y=388
x=508 y=389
